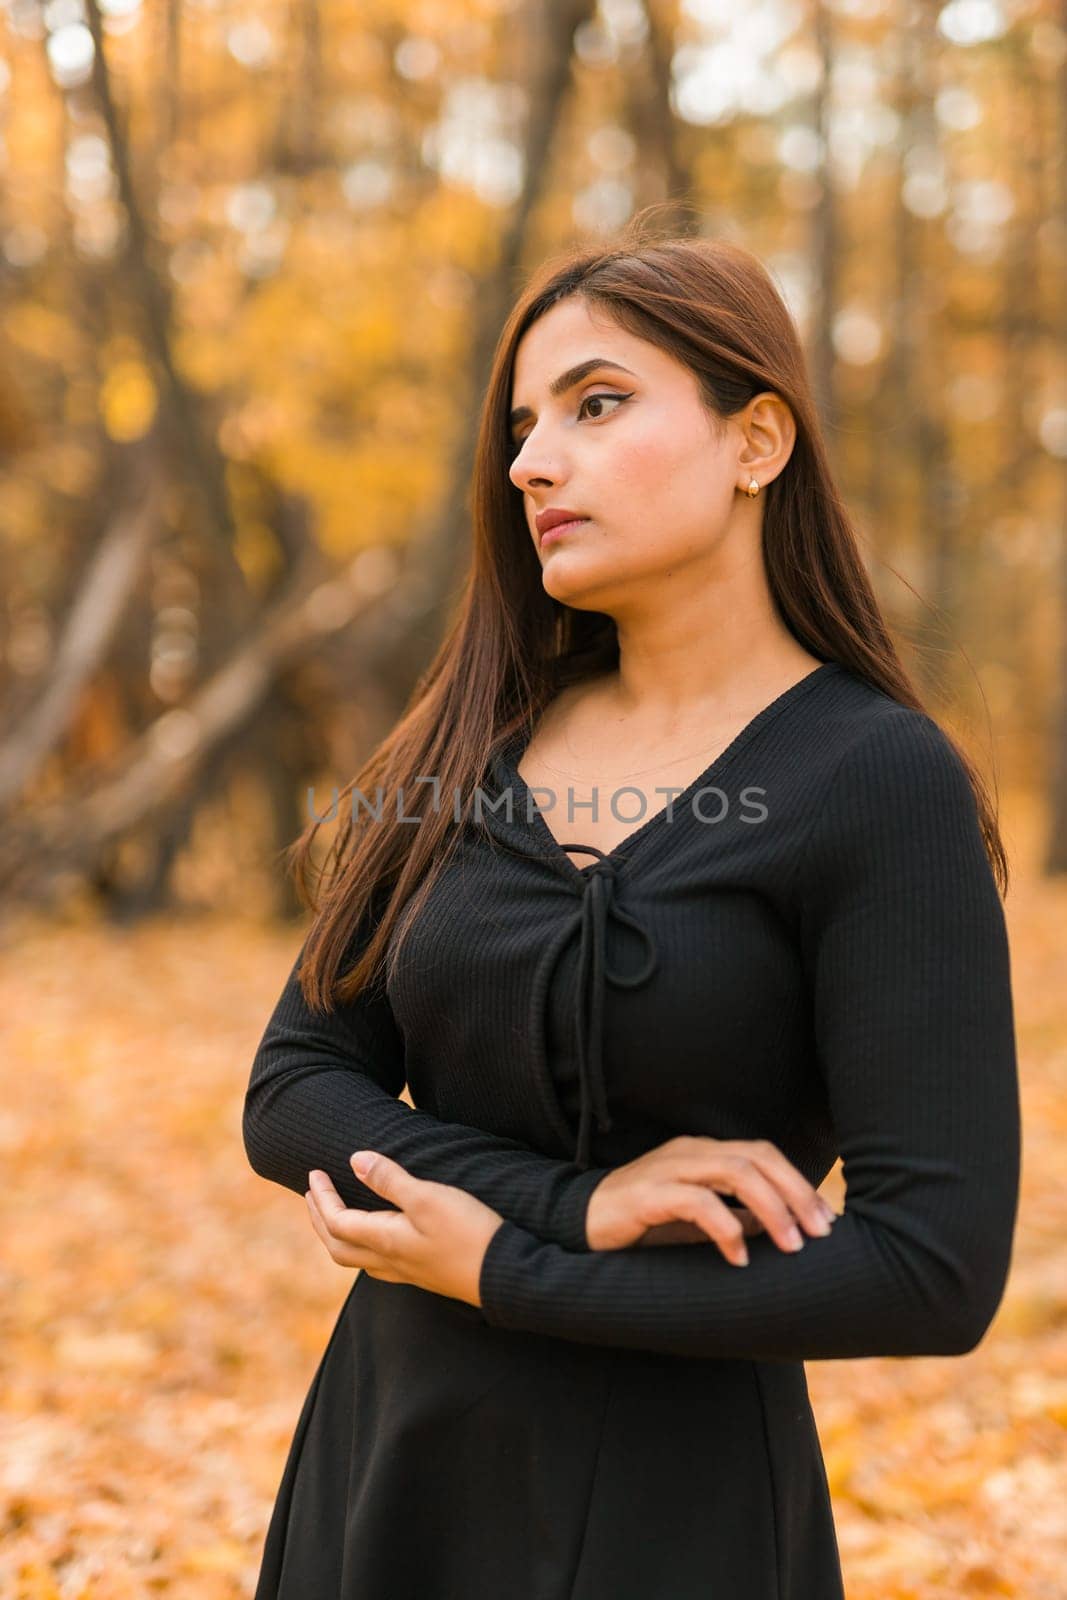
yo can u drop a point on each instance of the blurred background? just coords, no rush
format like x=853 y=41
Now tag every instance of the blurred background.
x=254 y=261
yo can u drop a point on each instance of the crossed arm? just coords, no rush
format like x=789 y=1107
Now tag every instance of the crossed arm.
x=904 y=941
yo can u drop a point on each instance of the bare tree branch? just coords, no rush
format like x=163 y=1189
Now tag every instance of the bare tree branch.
x=67 y=836
x=89 y=629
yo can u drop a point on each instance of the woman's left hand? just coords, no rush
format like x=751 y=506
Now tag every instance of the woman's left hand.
x=436 y=1240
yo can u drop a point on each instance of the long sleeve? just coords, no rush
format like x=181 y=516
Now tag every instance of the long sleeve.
x=323 y=1085
x=904 y=949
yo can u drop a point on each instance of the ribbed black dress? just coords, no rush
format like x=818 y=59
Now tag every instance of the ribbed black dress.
x=806 y=946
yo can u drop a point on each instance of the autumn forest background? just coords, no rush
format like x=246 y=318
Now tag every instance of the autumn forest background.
x=254 y=261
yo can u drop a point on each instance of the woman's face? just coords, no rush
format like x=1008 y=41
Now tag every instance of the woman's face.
x=642 y=461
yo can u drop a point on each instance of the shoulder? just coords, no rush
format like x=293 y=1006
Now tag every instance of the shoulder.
x=892 y=748
x=894 y=798
x=851 y=745
x=863 y=734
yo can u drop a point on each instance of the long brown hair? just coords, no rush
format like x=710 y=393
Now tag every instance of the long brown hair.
x=712 y=305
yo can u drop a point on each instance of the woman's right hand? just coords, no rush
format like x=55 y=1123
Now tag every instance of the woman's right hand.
x=667 y=1196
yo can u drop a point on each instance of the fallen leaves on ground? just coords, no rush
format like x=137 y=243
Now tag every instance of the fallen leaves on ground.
x=163 y=1310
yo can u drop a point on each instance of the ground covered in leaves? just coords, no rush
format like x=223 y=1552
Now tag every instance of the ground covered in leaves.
x=163 y=1309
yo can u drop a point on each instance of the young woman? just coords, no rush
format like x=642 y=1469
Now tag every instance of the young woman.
x=638 y=1031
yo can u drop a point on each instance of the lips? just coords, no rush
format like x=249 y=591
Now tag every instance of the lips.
x=554 y=516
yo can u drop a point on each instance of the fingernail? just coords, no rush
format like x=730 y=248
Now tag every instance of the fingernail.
x=362 y=1161
x=794 y=1240
x=827 y=1210
x=820 y=1224
x=741 y=1256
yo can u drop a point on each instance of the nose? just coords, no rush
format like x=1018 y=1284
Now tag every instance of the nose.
x=536 y=465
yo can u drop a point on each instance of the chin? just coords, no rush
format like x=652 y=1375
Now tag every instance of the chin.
x=573 y=588
x=580 y=579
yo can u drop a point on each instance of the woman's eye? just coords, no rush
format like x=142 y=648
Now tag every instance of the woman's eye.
x=591 y=397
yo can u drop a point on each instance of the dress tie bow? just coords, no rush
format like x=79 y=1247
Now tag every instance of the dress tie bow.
x=596 y=885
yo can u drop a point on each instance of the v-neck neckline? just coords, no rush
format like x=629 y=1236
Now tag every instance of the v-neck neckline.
x=622 y=852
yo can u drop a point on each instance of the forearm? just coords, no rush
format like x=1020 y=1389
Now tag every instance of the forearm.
x=863 y=1290
x=325 y=1084
x=317 y=1114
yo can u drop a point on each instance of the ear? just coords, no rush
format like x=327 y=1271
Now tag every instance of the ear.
x=769 y=433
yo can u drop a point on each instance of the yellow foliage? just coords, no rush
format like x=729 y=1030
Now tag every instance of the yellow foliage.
x=257 y=553
x=40 y=331
x=128 y=400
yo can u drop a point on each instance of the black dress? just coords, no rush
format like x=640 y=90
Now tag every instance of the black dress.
x=806 y=946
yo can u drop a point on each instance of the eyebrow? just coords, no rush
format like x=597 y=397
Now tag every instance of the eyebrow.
x=569 y=380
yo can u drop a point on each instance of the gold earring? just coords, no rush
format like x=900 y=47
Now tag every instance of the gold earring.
x=753 y=489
